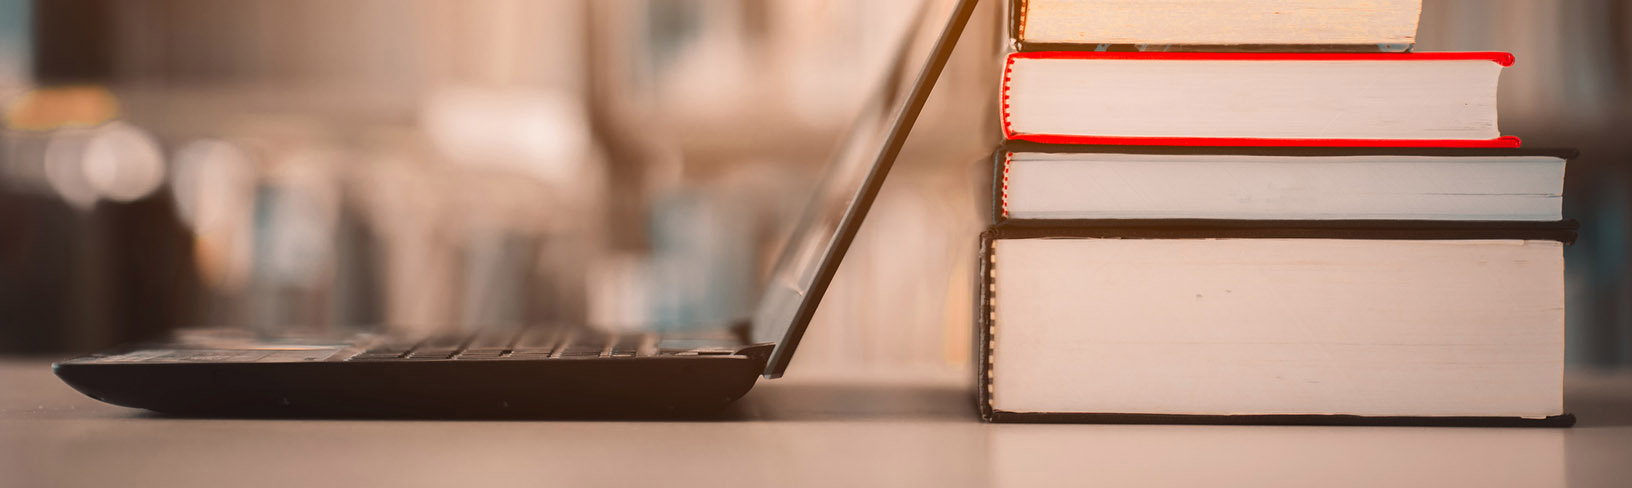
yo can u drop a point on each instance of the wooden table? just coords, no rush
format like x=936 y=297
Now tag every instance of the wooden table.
x=790 y=432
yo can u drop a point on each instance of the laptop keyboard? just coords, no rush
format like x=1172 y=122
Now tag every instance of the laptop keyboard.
x=528 y=344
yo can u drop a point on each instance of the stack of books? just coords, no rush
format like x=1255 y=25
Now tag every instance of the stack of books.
x=1257 y=211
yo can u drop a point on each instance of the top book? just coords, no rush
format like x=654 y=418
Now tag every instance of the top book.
x=1215 y=25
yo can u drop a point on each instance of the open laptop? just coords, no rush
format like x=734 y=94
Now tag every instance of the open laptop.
x=548 y=372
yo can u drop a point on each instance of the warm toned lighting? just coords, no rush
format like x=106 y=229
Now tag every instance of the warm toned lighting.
x=117 y=162
x=213 y=183
x=63 y=107
x=64 y=171
x=122 y=162
x=534 y=133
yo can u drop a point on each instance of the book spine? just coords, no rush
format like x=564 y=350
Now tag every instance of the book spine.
x=1017 y=23
x=985 y=321
x=1004 y=110
x=1000 y=187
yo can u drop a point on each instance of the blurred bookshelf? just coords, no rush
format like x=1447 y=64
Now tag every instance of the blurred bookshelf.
x=1571 y=87
x=450 y=164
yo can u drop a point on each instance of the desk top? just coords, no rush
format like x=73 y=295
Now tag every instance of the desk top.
x=791 y=432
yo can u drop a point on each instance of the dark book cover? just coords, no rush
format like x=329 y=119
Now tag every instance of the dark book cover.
x=986 y=290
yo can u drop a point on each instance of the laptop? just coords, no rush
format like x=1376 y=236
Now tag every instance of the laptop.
x=547 y=372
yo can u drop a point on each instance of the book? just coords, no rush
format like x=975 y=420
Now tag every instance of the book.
x=1401 y=324
x=1254 y=99
x=1274 y=25
x=1046 y=184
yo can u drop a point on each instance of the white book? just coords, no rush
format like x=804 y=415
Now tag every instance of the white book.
x=1356 y=24
x=1277 y=327
x=1254 y=99
x=1040 y=182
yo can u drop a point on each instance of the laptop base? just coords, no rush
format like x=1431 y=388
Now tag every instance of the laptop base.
x=631 y=387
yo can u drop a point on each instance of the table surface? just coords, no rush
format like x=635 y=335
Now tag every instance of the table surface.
x=791 y=432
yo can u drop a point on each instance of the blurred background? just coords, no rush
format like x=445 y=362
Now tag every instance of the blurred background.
x=316 y=165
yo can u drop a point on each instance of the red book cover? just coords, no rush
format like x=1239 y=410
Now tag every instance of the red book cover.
x=1503 y=59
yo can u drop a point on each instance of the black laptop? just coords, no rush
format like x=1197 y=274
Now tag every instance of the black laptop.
x=548 y=372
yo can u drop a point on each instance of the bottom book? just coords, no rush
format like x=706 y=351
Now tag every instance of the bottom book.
x=1453 y=324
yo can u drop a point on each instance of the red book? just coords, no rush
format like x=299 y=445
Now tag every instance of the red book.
x=1254 y=99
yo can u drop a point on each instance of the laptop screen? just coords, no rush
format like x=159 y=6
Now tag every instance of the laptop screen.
x=852 y=180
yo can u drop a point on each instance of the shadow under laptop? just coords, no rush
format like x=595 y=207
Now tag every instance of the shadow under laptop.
x=767 y=402
x=851 y=402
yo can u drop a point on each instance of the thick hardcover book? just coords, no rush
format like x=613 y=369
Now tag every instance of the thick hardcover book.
x=1053 y=185
x=1254 y=99
x=1230 y=25
x=1239 y=323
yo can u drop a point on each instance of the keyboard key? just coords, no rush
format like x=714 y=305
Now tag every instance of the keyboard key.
x=527 y=344
x=536 y=344
x=583 y=346
x=495 y=339
x=431 y=354
x=488 y=344
x=627 y=345
x=483 y=353
x=647 y=346
x=441 y=346
x=384 y=350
